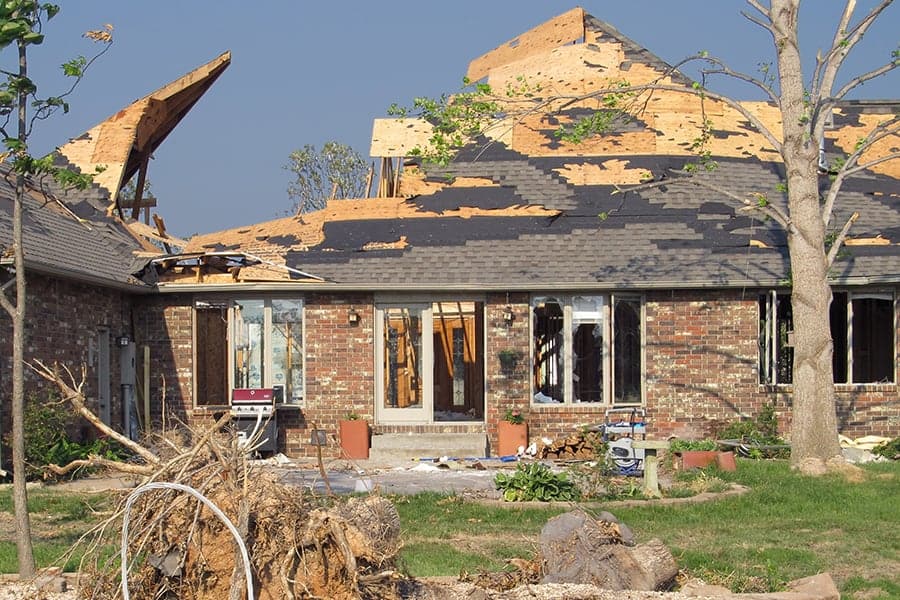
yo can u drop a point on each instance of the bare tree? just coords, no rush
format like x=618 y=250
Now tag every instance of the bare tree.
x=805 y=105
x=21 y=23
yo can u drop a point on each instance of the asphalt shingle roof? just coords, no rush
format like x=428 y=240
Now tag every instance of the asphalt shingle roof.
x=89 y=246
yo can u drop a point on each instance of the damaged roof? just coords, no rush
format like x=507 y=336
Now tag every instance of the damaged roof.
x=521 y=209
x=69 y=234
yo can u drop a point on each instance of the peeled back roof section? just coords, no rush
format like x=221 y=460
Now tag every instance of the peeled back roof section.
x=123 y=141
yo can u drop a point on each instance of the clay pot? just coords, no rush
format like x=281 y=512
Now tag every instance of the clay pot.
x=354 y=435
x=511 y=436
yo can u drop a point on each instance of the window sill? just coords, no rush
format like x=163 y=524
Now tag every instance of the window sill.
x=788 y=388
x=579 y=407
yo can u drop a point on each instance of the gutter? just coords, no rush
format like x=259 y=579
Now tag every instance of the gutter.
x=174 y=288
x=44 y=269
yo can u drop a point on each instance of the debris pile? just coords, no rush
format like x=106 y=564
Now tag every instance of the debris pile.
x=300 y=545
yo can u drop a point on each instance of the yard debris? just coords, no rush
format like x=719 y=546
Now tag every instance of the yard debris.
x=300 y=544
x=578 y=548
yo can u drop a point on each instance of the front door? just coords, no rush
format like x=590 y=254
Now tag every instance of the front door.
x=431 y=364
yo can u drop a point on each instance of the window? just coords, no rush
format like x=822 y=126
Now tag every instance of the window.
x=267 y=346
x=586 y=352
x=862 y=329
x=248 y=343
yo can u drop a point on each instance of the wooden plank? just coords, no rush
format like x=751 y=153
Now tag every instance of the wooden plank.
x=564 y=29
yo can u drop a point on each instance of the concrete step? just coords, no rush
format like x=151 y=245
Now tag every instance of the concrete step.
x=388 y=446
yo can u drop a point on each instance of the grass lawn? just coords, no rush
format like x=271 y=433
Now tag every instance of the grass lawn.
x=57 y=521
x=787 y=527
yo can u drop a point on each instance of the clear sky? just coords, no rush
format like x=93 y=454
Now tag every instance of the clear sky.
x=305 y=72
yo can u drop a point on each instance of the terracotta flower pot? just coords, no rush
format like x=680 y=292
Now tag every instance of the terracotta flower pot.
x=697 y=459
x=511 y=436
x=354 y=435
x=725 y=461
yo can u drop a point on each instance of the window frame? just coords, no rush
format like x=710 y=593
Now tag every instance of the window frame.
x=607 y=362
x=228 y=306
x=769 y=327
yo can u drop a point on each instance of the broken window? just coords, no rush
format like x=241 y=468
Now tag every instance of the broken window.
x=776 y=339
x=627 y=351
x=585 y=352
x=256 y=343
x=403 y=357
x=862 y=330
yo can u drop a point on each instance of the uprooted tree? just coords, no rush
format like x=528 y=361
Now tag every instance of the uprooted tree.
x=21 y=24
x=805 y=106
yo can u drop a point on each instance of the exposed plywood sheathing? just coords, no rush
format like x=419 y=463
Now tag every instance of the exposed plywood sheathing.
x=398 y=137
x=611 y=172
x=847 y=136
x=121 y=143
x=564 y=29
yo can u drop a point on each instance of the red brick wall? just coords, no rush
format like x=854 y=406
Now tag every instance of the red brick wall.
x=701 y=370
x=340 y=369
x=62 y=321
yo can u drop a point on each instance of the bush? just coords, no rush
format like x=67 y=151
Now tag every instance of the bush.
x=682 y=445
x=889 y=449
x=756 y=433
x=535 y=482
x=46 y=423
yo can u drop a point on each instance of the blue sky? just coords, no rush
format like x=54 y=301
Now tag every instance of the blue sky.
x=306 y=72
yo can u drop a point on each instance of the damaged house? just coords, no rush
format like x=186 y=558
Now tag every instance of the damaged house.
x=525 y=276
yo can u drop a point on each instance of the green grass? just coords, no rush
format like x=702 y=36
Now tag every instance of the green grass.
x=785 y=528
x=57 y=520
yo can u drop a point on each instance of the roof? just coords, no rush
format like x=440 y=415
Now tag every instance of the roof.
x=69 y=234
x=125 y=140
x=524 y=210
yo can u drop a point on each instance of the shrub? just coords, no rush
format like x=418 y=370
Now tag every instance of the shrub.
x=535 y=482
x=682 y=445
x=889 y=449
x=762 y=430
x=46 y=423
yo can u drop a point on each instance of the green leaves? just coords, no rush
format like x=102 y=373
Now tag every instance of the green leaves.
x=536 y=481
x=74 y=67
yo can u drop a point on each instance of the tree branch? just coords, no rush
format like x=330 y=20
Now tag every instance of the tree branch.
x=688 y=178
x=726 y=70
x=700 y=93
x=839 y=240
x=96 y=461
x=861 y=79
x=851 y=165
x=75 y=396
x=844 y=41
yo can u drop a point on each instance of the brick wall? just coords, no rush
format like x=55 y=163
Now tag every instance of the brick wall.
x=701 y=370
x=63 y=319
x=340 y=370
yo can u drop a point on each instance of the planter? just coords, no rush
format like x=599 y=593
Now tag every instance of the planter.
x=697 y=459
x=354 y=436
x=510 y=437
x=725 y=461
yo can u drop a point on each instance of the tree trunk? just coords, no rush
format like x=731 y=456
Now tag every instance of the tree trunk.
x=814 y=437
x=20 y=494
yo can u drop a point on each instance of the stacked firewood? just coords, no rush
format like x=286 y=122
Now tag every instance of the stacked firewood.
x=575 y=446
